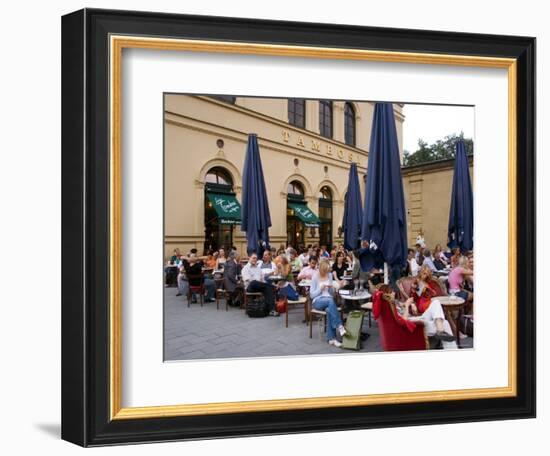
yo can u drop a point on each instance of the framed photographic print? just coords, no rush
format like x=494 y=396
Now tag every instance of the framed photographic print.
x=270 y=227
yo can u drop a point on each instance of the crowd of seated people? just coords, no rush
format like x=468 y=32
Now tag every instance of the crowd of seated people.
x=279 y=271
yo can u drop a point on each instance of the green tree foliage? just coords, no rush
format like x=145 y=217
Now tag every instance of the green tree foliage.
x=442 y=149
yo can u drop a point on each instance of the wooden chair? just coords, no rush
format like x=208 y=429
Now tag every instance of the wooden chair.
x=314 y=313
x=195 y=289
x=301 y=301
x=222 y=294
x=317 y=314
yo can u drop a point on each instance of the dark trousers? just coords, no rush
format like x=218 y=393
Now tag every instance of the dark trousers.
x=266 y=289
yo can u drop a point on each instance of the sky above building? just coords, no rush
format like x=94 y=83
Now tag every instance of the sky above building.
x=433 y=122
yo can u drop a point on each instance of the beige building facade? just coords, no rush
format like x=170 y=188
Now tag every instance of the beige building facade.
x=428 y=189
x=205 y=144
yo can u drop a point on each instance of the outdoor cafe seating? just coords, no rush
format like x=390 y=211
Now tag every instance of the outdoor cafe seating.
x=394 y=335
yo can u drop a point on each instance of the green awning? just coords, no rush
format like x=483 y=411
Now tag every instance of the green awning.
x=304 y=213
x=227 y=207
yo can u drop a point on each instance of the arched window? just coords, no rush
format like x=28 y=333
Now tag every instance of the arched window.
x=295 y=189
x=349 y=124
x=325 y=214
x=297 y=112
x=325 y=193
x=218 y=176
x=325 y=118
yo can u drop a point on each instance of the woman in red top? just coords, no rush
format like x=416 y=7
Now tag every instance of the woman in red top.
x=423 y=304
x=407 y=314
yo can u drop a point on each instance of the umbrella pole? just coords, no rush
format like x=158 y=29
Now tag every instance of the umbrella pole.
x=386 y=278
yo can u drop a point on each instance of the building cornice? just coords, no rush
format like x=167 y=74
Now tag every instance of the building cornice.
x=190 y=123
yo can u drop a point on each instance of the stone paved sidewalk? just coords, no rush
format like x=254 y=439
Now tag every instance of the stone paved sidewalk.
x=205 y=333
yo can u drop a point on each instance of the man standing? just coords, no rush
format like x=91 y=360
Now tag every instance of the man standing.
x=254 y=282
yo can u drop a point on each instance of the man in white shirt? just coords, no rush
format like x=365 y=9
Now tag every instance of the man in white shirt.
x=308 y=272
x=267 y=265
x=254 y=282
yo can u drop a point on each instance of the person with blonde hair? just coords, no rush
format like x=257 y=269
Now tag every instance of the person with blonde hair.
x=456 y=279
x=424 y=305
x=286 y=286
x=323 y=287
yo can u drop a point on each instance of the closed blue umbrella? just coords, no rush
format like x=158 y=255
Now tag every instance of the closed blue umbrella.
x=384 y=220
x=461 y=215
x=353 y=211
x=255 y=217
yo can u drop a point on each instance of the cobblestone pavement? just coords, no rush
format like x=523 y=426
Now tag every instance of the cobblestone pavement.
x=206 y=333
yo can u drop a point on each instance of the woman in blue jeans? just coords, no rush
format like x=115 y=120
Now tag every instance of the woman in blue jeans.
x=322 y=295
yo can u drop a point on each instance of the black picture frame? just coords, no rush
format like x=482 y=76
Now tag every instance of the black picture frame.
x=85 y=224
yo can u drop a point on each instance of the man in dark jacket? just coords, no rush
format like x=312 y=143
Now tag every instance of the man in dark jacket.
x=231 y=271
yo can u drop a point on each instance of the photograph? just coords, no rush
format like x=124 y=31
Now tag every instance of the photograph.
x=275 y=222
x=301 y=227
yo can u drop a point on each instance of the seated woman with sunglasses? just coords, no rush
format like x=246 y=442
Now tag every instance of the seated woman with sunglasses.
x=322 y=291
x=424 y=306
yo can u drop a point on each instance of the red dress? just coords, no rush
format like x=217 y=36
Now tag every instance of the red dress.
x=423 y=301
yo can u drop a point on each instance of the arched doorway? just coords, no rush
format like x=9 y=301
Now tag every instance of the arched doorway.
x=294 y=226
x=299 y=216
x=221 y=209
x=325 y=216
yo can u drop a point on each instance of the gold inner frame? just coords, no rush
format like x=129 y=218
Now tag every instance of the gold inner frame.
x=117 y=44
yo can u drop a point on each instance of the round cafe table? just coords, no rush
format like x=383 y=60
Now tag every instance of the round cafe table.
x=358 y=300
x=453 y=306
x=273 y=279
